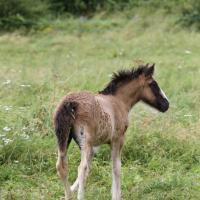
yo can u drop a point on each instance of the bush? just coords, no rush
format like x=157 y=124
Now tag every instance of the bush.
x=76 y=7
x=191 y=13
x=28 y=13
x=85 y=7
x=21 y=13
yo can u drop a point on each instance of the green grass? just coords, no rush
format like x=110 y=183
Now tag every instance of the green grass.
x=161 y=156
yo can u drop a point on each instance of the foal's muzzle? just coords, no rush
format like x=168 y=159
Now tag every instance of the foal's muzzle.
x=164 y=105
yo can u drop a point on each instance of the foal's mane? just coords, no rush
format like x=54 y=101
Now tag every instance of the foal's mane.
x=122 y=77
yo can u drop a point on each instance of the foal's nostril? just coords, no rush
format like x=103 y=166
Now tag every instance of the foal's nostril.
x=164 y=106
x=167 y=106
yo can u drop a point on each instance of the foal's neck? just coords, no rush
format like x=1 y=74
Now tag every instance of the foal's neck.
x=129 y=94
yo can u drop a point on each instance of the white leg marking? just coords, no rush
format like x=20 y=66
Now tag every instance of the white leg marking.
x=86 y=155
x=74 y=187
x=116 y=191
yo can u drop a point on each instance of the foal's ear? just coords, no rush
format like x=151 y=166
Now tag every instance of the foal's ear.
x=149 y=70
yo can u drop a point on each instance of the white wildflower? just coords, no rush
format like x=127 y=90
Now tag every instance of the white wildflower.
x=23 y=85
x=7 y=129
x=2 y=135
x=22 y=108
x=25 y=136
x=7 y=108
x=6 y=140
x=24 y=128
x=187 y=115
x=7 y=82
x=180 y=67
x=188 y=52
x=121 y=52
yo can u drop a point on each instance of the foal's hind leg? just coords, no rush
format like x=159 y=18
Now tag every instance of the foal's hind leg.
x=83 y=170
x=61 y=167
x=74 y=187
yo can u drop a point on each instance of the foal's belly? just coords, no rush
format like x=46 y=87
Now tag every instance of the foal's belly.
x=103 y=131
x=102 y=136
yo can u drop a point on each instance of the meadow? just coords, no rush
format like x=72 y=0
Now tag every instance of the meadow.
x=161 y=156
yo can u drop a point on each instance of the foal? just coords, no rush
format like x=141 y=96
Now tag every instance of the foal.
x=95 y=119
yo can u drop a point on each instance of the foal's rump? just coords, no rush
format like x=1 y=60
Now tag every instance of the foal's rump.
x=74 y=110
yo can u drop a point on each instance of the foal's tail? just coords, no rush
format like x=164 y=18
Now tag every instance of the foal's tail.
x=63 y=121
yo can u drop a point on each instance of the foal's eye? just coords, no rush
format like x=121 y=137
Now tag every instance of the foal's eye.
x=153 y=84
x=149 y=80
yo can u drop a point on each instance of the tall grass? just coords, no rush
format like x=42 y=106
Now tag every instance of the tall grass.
x=160 y=159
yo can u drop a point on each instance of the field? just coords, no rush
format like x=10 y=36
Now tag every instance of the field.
x=161 y=156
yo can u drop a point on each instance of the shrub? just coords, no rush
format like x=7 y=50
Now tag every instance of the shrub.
x=28 y=13
x=21 y=13
x=75 y=6
x=191 y=13
x=80 y=7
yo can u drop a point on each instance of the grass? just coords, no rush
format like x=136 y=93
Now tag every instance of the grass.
x=161 y=156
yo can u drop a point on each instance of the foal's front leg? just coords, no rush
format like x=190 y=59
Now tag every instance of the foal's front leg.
x=116 y=168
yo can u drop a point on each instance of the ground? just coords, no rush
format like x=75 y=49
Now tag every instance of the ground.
x=161 y=156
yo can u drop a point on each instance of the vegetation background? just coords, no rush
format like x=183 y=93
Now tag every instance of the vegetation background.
x=51 y=47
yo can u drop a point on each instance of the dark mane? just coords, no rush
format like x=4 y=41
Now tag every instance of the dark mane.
x=121 y=77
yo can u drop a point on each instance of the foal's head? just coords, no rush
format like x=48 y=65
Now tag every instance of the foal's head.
x=135 y=85
x=151 y=93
